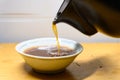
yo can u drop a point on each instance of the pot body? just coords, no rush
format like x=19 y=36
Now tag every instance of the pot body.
x=91 y=16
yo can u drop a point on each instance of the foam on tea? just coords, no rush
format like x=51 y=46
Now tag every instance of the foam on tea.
x=46 y=51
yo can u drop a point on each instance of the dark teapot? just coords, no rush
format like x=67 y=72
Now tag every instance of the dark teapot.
x=91 y=16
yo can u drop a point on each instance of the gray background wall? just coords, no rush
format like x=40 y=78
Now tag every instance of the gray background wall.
x=27 y=19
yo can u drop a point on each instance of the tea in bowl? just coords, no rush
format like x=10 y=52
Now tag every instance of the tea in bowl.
x=43 y=56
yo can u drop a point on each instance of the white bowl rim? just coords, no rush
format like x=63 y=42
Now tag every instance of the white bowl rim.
x=43 y=57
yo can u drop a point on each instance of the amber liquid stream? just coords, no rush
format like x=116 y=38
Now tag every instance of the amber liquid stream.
x=54 y=27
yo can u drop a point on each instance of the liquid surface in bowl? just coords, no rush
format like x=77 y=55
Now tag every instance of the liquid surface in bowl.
x=49 y=51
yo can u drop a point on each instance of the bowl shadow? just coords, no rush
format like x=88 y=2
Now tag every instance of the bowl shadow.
x=76 y=71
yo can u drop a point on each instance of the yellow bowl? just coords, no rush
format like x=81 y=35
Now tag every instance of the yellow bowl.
x=48 y=64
